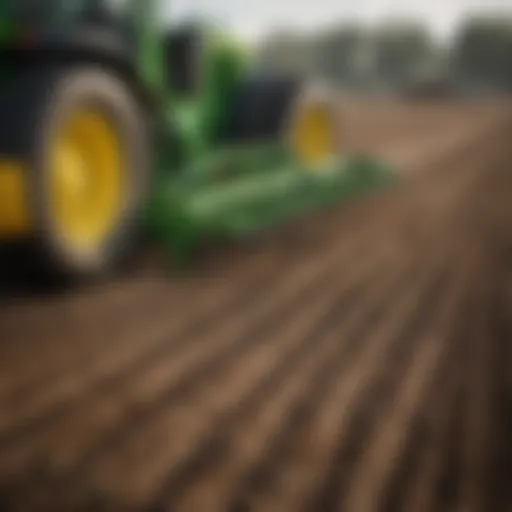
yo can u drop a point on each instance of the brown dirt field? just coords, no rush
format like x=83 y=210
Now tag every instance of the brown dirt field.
x=358 y=360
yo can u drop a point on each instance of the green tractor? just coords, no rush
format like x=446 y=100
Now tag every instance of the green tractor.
x=113 y=123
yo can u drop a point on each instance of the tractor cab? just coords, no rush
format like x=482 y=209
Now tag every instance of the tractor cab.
x=135 y=25
x=52 y=12
x=55 y=15
x=179 y=64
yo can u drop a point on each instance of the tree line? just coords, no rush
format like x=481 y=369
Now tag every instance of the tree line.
x=479 y=57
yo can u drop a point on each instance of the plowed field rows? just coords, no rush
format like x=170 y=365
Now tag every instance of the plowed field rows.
x=358 y=361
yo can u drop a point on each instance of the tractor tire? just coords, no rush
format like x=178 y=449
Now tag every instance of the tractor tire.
x=85 y=146
x=259 y=107
x=272 y=109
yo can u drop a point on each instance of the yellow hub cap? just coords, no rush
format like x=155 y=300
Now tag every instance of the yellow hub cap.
x=86 y=178
x=313 y=135
x=14 y=206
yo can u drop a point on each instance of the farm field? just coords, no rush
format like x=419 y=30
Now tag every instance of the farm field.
x=357 y=360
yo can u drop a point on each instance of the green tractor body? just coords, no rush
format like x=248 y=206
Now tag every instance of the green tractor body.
x=110 y=117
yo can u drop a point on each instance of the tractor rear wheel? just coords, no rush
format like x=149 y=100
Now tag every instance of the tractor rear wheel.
x=303 y=116
x=312 y=127
x=81 y=142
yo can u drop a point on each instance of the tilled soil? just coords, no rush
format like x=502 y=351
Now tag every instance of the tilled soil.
x=357 y=361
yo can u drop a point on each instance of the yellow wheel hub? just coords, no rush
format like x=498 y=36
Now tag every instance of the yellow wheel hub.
x=313 y=136
x=86 y=178
x=14 y=208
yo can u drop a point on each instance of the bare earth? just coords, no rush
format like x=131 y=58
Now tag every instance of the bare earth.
x=358 y=361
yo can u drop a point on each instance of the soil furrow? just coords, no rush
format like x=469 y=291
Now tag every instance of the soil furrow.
x=255 y=450
x=314 y=449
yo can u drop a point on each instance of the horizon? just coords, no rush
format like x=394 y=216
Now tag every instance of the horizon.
x=255 y=20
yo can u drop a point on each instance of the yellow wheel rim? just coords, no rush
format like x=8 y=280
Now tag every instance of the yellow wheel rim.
x=86 y=178
x=313 y=135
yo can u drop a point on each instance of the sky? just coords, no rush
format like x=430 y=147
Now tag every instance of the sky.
x=252 y=19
